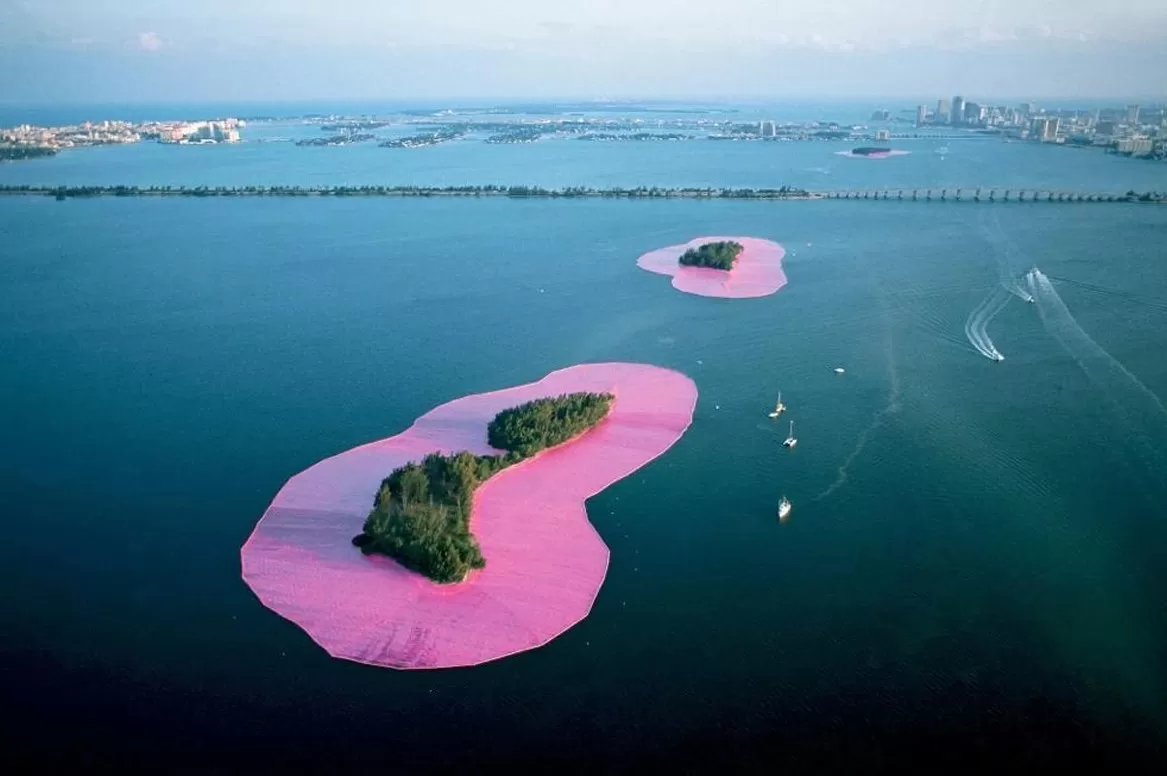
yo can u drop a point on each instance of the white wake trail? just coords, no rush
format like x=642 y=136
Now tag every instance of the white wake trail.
x=1103 y=369
x=1009 y=256
x=976 y=327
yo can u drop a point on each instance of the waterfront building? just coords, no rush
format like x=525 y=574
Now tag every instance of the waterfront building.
x=957 y=110
x=942 y=114
x=1135 y=146
x=921 y=115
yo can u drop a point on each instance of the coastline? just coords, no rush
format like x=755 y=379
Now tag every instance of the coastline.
x=545 y=560
x=756 y=273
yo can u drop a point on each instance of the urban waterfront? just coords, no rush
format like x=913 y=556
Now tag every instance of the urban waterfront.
x=975 y=544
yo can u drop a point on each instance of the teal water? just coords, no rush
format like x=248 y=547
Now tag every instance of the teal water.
x=966 y=534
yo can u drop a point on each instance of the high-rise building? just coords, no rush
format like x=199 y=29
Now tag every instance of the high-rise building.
x=1051 y=129
x=942 y=115
x=1132 y=114
x=921 y=115
x=957 y=110
x=973 y=113
x=1026 y=109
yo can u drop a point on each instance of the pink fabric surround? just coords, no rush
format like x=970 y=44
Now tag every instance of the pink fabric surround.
x=757 y=271
x=545 y=562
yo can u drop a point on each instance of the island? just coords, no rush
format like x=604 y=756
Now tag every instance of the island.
x=421 y=514
x=546 y=561
x=714 y=255
x=337 y=140
x=16 y=153
x=754 y=270
x=423 y=140
x=869 y=151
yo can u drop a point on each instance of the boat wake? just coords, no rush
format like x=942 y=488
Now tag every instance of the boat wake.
x=1102 y=368
x=880 y=417
x=1137 y=406
x=1009 y=257
x=976 y=327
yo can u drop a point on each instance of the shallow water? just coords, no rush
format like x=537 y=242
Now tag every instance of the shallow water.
x=966 y=533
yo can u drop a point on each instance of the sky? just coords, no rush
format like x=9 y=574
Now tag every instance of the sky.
x=69 y=51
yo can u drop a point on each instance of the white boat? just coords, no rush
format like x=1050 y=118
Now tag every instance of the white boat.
x=791 y=441
x=779 y=408
x=784 y=507
x=839 y=370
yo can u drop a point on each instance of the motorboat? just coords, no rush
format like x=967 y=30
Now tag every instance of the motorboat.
x=784 y=507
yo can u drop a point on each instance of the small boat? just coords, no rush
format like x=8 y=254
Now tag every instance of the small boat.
x=791 y=440
x=784 y=507
x=779 y=408
x=839 y=370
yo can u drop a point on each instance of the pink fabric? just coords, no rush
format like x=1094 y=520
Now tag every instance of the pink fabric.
x=544 y=560
x=757 y=271
x=880 y=155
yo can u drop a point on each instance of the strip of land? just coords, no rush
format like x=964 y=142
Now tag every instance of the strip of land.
x=970 y=194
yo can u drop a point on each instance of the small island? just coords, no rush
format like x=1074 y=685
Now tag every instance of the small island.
x=337 y=140
x=17 y=153
x=869 y=151
x=714 y=255
x=421 y=513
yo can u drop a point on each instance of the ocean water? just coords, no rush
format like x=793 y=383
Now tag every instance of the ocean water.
x=975 y=558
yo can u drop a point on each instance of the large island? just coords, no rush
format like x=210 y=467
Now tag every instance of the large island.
x=714 y=255
x=545 y=560
x=421 y=514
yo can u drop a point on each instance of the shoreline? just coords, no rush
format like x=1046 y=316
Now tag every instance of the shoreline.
x=756 y=273
x=904 y=194
x=545 y=560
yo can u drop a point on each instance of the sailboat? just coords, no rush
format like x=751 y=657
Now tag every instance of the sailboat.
x=784 y=507
x=791 y=440
x=779 y=408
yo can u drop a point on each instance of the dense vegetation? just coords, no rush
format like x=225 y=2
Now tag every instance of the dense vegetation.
x=14 y=153
x=421 y=514
x=715 y=255
x=544 y=423
x=337 y=140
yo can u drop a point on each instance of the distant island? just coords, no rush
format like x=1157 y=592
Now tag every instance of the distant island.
x=337 y=140
x=421 y=141
x=421 y=513
x=17 y=153
x=715 y=255
x=869 y=151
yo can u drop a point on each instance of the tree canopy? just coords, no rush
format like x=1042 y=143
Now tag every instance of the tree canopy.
x=421 y=513
x=716 y=255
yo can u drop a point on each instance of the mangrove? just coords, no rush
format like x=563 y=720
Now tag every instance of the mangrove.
x=421 y=513
x=715 y=255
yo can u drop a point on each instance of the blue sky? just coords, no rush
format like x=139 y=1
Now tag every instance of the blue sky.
x=176 y=50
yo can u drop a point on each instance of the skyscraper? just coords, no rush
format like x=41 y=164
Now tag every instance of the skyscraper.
x=921 y=115
x=942 y=115
x=957 y=110
x=1132 y=114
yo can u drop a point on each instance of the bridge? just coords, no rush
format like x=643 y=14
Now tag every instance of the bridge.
x=981 y=194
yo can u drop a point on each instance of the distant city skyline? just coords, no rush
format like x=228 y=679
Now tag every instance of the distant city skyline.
x=214 y=50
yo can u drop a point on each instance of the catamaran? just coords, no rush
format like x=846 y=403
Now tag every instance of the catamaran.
x=784 y=507
x=791 y=441
x=779 y=408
